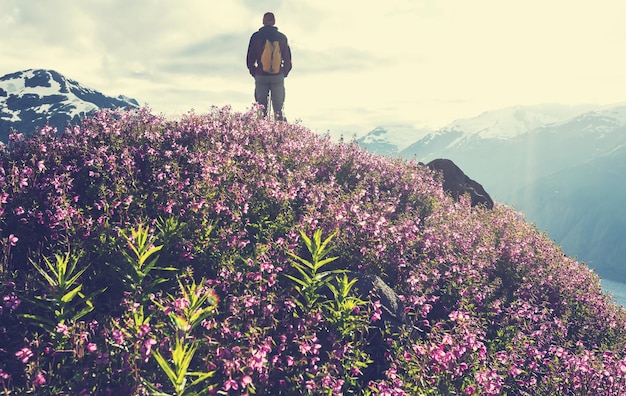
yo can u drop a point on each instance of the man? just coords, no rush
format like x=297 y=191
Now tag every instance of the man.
x=268 y=81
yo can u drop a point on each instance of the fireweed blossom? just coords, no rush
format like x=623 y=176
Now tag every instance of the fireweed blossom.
x=62 y=329
x=147 y=348
x=491 y=301
x=39 y=379
x=377 y=312
x=92 y=348
x=24 y=355
x=11 y=302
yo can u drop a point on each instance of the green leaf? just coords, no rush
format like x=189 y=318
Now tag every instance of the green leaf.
x=70 y=282
x=201 y=377
x=166 y=268
x=333 y=289
x=180 y=323
x=189 y=351
x=298 y=281
x=43 y=273
x=39 y=321
x=82 y=312
x=307 y=240
x=306 y=263
x=146 y=255
x=69 y=296
x=327 y=240
x=322 y=263
x=307 y=276
x=164 y=366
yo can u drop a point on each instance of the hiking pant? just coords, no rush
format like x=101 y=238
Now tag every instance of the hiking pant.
x=264 y=84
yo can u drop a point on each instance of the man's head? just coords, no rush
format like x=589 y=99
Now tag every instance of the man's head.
x=268 y=19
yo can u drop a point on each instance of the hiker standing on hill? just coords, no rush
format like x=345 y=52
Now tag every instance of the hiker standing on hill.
x=269 y=62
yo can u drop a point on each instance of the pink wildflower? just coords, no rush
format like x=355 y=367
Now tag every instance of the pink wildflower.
x=144 y=329
x=24 y=354
x=39 y=380
x=181 y=303
x=231 y=384
x=117 y=336
x=377 y=311
x=246 y=380
x=62 y=328
x=515 y=371
x=147 y=344
x=11 y=302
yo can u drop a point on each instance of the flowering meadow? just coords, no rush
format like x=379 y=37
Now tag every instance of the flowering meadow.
x=219 y=253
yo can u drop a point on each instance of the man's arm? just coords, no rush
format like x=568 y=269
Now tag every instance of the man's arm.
x=286 y=51
x=251 y=57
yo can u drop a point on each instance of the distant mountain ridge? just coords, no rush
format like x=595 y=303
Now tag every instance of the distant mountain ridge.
x=391 y=140
x=501 y=124
x=559 y=165
x=32 y=98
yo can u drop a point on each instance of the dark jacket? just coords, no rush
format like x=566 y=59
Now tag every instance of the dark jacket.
x=257 y=43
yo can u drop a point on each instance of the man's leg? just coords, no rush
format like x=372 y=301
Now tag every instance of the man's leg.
x=261 y=91
x=278 y=96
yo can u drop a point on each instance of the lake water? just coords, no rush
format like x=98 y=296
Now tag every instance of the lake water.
x=617 y=289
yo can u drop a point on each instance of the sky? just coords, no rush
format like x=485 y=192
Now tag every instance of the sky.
x=356 y=64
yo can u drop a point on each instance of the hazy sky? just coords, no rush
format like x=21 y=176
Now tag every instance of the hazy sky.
x=357 y=64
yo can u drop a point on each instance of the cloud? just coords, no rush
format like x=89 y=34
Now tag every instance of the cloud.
x=404 y=61
x=222 y=55
x=335 y=60
x=261 y=7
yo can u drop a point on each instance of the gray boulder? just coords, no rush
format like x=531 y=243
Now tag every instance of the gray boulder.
x=456 y=183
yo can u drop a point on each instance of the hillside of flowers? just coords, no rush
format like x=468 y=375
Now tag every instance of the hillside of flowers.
x=220 y=254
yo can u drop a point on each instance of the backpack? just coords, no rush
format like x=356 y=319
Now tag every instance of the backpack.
x=271 y=59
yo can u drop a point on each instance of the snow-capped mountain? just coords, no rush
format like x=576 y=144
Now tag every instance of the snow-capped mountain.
x=535 y=142
x=32 y=98
x=562 y=166
x=513 y=121
x=390 y=140
x=501 y=124
x=411 y=142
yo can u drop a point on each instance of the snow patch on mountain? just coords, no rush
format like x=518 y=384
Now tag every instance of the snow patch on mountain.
x=501 y=124
x=600 y=120
x=391 y=139
x=31 y=98
x=32 y=84
x=615 y=111
x=516 y=120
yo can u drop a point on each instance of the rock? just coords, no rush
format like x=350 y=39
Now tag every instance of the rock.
x=393 y=320
x=456 y=183
x=392 y=307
